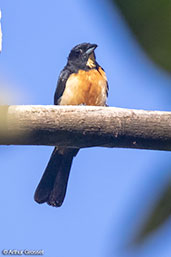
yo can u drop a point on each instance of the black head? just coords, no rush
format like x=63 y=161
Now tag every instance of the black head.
x=82 y=56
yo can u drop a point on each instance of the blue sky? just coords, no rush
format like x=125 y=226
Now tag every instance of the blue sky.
x=110 y=191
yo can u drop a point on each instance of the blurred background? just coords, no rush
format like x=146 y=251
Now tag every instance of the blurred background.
x=118 y=201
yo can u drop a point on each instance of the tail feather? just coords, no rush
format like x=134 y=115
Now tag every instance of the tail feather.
x=53 y=184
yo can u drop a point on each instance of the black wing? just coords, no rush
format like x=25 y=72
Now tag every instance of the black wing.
x=65 y=73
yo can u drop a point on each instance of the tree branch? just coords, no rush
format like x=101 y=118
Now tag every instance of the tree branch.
x=85 y=126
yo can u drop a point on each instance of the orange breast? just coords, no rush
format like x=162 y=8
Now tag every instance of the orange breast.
x=85 y=87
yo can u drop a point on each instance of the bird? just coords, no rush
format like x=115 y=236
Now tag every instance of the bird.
x=81 y=82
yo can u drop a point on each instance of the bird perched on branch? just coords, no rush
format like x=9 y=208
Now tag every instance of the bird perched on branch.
x=81 y=82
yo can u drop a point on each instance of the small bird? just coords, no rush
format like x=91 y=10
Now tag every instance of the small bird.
x=81 y=82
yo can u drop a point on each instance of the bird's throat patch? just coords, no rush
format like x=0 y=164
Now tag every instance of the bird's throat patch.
x=91 y=61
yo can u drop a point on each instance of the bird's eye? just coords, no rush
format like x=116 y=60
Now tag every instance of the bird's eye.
x=77 y=53
x=74 y=54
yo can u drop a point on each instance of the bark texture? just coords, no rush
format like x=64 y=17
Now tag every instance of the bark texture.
x=85 y=126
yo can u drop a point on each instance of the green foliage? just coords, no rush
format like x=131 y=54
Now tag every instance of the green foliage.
x=150 y=20
x=159 y=214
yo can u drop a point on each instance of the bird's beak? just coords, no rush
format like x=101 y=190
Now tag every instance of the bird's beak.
x=91 y=48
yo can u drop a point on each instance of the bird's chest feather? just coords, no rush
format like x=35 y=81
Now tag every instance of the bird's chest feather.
x=85 y=87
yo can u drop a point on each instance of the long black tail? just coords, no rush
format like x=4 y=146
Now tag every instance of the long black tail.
x=53 y=184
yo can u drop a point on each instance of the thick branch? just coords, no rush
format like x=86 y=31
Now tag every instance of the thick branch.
x=85 y=126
